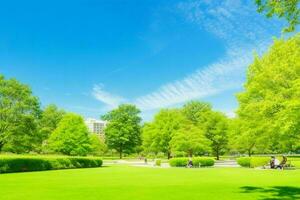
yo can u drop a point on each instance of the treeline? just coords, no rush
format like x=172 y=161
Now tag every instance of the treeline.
x=25 y=127
x=267 y=121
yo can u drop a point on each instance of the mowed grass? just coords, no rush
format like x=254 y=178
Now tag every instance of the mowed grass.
x=137 y=183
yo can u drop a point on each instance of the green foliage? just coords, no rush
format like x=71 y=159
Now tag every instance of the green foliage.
x=259 y=161
x=158 y=134
x=197 y=112
x=244 y=161
x=217 y=133
x=71 y=137
x=19 y=110
x=203 y=162
x=253 y=162
x=190 y=139
x=197 y=162
x=123 y=132
x=9 y=164
x=287 y=9
x=98 y=145
x=50 y=118
x=158 y=162
x=178 y=162
x=270 y=107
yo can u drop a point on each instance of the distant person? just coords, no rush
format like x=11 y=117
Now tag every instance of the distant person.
x=190 y=163
x=277 y=164
x=272 y=162
x=283 y=162
x=146 y=161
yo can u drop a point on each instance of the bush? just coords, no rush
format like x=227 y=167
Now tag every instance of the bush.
x=197 y=162
x=244 y=161
x=9 y=164
x=178 y=162
x=203 y=162
x=253 y=161
x=158 y=163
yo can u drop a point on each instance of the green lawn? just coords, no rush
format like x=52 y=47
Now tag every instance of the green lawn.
x=134 y=183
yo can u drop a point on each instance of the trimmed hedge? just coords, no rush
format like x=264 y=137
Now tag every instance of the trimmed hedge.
x=253 y=162
x=27 y=164
x=197 y=162
x=203 y=162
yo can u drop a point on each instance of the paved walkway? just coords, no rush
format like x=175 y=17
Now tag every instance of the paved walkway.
x=226 y=163
x=139 y=163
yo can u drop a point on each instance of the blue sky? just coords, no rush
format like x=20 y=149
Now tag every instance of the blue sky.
x=88 y=56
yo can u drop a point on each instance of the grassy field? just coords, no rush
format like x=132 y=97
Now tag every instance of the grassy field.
x=136 y=183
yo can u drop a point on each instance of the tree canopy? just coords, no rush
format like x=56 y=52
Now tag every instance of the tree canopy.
x=287 y=9
x=123 y=132
x=270 y=107
x=158 y=134
x=19 y=110
x=71 y=137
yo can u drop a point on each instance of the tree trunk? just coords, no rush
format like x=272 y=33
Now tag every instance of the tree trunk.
x=218 y=155
x=1 y=145
x=121 y=152
x=190 y=153
x=249 y=153
x=169 y=155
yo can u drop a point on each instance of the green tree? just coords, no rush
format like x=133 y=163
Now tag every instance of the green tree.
x=190 y=139
x=217 y=132
x=19 y=110
x=123 y=132
x=98 y=145
x=51 y=116
x=287 y=9
x=197 y=112
x=270 y=104
x=71 y=137
x=158 y=134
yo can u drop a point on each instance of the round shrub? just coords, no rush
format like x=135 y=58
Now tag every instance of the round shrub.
x=259 y=161
x=158 y=162
x=197 y=162
x=178 y=162
x=244 y=161
x=253 y=162
x=203 y=162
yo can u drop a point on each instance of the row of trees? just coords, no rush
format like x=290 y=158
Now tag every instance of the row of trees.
x=25 y=127
x=267 y=119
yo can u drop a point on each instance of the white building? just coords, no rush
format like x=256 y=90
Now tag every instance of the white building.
x=96 y=126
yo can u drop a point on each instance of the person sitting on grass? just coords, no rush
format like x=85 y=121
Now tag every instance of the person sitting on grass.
x=283 y=163
x=190 y=163
x=272 y=162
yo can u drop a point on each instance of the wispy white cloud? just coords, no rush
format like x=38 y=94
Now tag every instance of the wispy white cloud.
x=105 y=97
x=240 y=27
x=233 y=21
x=242 y=30
x=213 y=79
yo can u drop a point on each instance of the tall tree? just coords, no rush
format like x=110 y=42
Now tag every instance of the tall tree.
x=158 y=134
x=123 y=132
x=217 y=132
x=71 y=137
x=271 y=100
x=190 y=139
x=50 y=118
x=287 y=9
x=19 y=109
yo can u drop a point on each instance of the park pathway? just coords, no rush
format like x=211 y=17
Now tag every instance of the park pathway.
x=226 y=163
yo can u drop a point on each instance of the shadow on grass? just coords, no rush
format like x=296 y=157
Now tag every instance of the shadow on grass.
x=274 y=193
